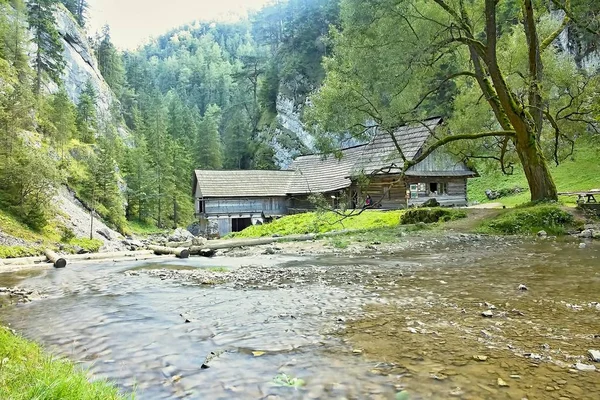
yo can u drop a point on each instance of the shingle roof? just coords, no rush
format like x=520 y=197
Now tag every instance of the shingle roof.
x=327 y=173
x=243 y=183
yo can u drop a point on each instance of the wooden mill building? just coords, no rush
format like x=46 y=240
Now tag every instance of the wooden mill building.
x=229 y=201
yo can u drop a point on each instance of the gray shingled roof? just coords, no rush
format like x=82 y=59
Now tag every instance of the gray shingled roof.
x=243 y=183
x=318 y=173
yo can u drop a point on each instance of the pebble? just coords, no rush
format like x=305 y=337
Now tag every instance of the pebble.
x=549 y=389
x=523 y=287
x=502 y=383
x=487 y=314
x=480 y=358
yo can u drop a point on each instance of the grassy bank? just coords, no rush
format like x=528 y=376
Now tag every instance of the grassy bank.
x=26 y=372
x=530 y=220
x=46 y=238
x=321 y=223
x=580 y=172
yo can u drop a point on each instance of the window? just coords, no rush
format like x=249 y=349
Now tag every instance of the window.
x=437 y=188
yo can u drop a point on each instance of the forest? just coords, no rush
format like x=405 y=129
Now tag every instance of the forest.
x=513 y=80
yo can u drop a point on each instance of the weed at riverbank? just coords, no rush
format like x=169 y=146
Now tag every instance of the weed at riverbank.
x=27 y=373
x=322 y=223
x=529 y=220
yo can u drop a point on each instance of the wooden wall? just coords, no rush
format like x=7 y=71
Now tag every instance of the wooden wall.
x=244 y=205
x=385 y=190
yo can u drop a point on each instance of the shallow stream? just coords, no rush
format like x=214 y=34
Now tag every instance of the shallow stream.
x=348 y=326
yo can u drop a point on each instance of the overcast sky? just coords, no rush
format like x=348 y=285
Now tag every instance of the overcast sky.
x=133 y=21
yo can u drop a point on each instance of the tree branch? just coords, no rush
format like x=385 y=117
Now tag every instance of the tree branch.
x=552 y=37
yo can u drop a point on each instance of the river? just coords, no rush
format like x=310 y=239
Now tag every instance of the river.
x=335 y=325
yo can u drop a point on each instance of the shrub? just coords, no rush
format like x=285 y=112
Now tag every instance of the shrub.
x=531 y=220
x=18 y=251
x=89 y=245
x=431 y=215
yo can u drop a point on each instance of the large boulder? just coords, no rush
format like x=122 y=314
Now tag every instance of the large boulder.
x=181 y=235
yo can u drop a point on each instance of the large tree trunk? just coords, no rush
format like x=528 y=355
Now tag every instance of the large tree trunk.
x=541 y=184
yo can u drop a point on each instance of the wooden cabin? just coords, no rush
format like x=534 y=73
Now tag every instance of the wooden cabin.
x=229 y=201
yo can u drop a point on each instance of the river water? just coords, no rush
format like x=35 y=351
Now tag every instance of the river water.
x=346 y=325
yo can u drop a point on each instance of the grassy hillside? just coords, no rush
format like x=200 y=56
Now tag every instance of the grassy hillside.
x=580 y=172
x=321 y=223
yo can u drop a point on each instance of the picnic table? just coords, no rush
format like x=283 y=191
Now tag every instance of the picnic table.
x=584 y=197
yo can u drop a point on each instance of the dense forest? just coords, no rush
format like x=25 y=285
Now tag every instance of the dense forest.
x=206 y=95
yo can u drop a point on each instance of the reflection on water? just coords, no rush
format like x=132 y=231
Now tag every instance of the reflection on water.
x=410 y=321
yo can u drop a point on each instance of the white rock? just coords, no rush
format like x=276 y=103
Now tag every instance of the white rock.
x=585 y=367
x=523 y=287
x=582 y=245
x=587 y=234
x=594 y=355
x=542 y=234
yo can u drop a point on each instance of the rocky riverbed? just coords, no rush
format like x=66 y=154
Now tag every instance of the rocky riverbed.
x=452 y=316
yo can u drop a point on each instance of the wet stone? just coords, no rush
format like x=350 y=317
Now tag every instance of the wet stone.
x=594 y=355
x=585 y=367
x=487 y=314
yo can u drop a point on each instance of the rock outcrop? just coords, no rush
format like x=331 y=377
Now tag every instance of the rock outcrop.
x=81 y=65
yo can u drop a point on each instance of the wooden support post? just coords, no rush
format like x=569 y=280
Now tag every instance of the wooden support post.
x=180 y=252
x=55 y=259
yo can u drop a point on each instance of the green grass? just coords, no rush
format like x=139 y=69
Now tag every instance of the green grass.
x=322 y=223
x=19 y=251
x=530 y=220
x=580 y=172
x=143 y=228
x=89 y=245
x=11 y=226
x=26 y=372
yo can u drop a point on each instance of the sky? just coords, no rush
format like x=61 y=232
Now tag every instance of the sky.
x=132 y=22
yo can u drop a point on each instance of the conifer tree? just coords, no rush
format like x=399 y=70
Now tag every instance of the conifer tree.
x=63 y=118
x=86 y=114
x=48 y=59
x=78 y=9
x=109 y=61
x=209 y=141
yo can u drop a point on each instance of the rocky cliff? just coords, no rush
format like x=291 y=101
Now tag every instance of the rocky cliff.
x=81 y=64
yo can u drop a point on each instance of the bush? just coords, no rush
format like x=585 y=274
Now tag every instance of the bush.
x=89 y=245
x=18 y=251
x=431 y=215
x=531 y=220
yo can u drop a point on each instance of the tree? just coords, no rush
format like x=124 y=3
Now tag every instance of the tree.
x=86 y=114
x=79 y=10
x=63 y=119
x=109 y=62
x=393 y=61
x=48 y=59
x=209 y=140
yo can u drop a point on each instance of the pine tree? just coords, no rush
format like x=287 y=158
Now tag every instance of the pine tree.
x=48 y=58
x=78 y=9
x=159 y=145
x=63 y=118
x=109 y=61
x=209 y=141
x=86 y=114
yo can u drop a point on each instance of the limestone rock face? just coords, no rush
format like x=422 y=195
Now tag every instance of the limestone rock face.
x=81 y=65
